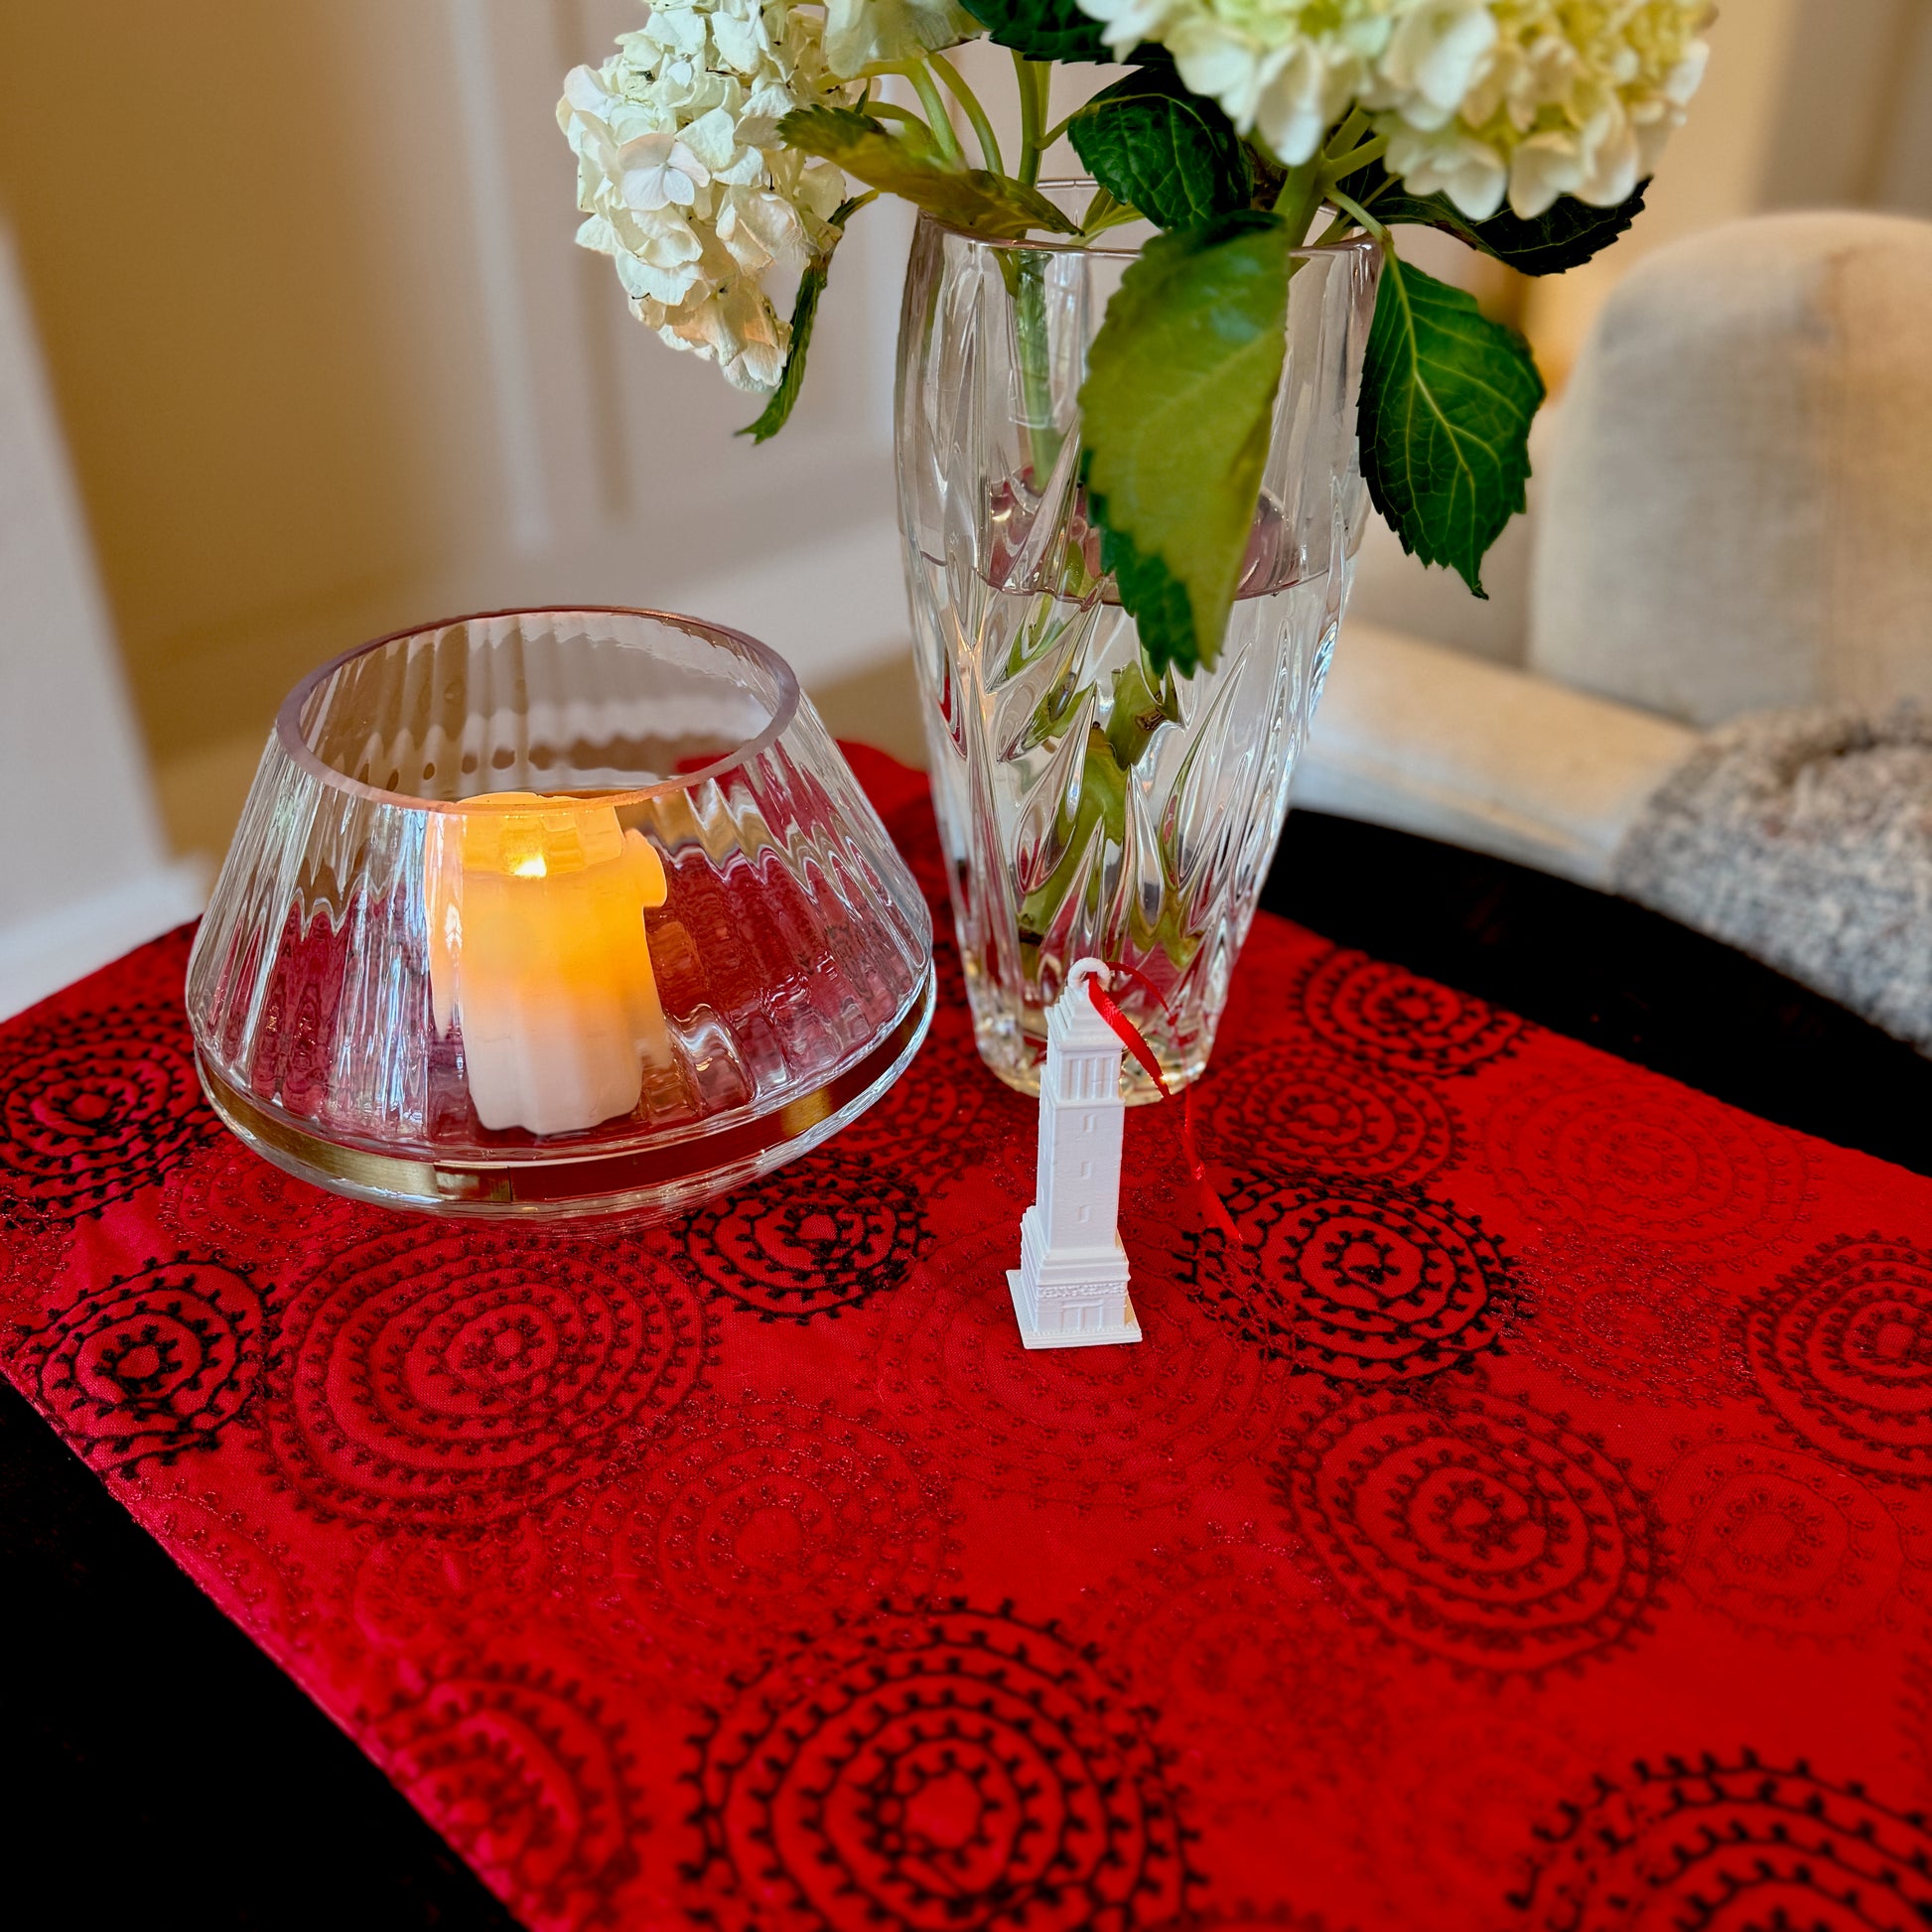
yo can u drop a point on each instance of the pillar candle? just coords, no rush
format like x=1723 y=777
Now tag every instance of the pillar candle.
x=538 y=955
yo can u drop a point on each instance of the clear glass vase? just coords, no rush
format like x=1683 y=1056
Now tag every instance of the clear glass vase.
x=1086 y=806
x=552 y=913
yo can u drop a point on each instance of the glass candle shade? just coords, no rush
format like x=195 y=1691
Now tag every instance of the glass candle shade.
x=550 y=913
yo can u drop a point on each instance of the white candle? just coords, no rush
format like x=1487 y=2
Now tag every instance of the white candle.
x=537 y=952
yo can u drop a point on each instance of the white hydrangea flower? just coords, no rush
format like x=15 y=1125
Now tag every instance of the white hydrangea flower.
x=1568 y=97
x=684 y=180
x=1479 y=98
x=1286 y=69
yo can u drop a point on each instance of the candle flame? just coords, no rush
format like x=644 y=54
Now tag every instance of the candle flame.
x=530 y=868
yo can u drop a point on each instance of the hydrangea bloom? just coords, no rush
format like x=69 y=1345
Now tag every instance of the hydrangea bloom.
x=1565 y=98
x=1479 y=98
x=684 y=180
x=1283 y=69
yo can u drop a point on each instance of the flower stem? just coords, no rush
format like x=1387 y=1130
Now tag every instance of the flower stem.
x=1300 y=196
x=982 y=127
x=935 y=103
x=1027 y=73
x=1354 y=127
x=1345 y=165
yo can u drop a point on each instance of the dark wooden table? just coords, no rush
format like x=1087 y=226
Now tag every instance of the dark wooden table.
x=165 y=1772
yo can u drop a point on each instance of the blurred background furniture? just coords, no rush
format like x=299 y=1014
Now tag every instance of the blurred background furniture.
x=84 y=868
x=329 y=386
x=1732 y=512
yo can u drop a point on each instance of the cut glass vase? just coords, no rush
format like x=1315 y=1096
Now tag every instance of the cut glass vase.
x=551 y=913
x=1086 y=806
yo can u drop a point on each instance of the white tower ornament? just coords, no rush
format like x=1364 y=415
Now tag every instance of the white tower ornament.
x=1070 y=1287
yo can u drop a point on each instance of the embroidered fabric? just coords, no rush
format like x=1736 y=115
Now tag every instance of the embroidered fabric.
x=1531 y=1531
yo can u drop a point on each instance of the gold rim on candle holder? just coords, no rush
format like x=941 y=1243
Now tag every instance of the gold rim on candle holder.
x=643 y=1182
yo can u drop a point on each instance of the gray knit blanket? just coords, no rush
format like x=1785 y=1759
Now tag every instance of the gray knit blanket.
x=1804 y=838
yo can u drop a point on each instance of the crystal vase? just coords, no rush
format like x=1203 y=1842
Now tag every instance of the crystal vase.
x=1085 y=805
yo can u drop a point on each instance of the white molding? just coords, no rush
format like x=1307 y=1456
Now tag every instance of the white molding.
x=43 y=955
x=506 y=325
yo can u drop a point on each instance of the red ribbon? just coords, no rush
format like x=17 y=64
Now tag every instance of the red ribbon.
x=1135 y=1041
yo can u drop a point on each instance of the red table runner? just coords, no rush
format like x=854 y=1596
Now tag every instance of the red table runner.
x=1538 y=1537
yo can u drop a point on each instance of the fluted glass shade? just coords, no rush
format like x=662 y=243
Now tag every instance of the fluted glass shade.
x=554 y=912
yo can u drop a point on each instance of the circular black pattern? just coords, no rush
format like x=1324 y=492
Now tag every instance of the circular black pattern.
x=1728 y=1845
x=454 y=1378
x=150 y=1364
x=1473 y=1525
x=944 y=1769
x=825 y=1234
x=1365 y=1008
x=1621 y=1153
x=529 y=1780
x=1359 y=1281
x=764 y=1512
x=1311 y=1108
x=1780 y=1541
x=96 y=1108
x=1842 y=1351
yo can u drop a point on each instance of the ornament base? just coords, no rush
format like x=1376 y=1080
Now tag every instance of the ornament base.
x=1027 y=1313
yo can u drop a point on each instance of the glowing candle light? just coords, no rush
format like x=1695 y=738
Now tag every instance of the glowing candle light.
x=538 y=953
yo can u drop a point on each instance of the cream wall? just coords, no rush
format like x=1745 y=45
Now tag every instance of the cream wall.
x=328 y=362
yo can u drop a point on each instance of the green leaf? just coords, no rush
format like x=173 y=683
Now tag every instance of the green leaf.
x=1155 y=147
x=1177 y=410
x=908 y=166
x=862 y=35
x=1567 y=233
x=1447 y=397
x=804 y=312
x=1042 y=29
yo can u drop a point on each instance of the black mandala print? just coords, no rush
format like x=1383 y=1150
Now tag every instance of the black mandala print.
x=1473 y=1526
x=1367 y=1007
x=935 y=1769
x=150 y=1364
x=822 y=1235
x=530 y=1781
x=1841 y=1349
x=1724 y=1842
x=96 y=1108
x=452 y=1378
x=1306 y=1106
x=1357 y=1281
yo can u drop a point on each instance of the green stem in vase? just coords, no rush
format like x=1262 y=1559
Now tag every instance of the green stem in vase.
x=1140 y=709
x=1024 y=272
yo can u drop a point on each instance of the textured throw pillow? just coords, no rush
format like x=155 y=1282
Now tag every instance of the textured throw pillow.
x=1805 y=838
x=1739 y=512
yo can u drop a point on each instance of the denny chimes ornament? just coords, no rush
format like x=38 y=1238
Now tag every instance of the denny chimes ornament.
x=1070 y=1287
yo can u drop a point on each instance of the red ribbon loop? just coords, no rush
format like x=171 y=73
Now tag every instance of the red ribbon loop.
x=1136 y=1044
